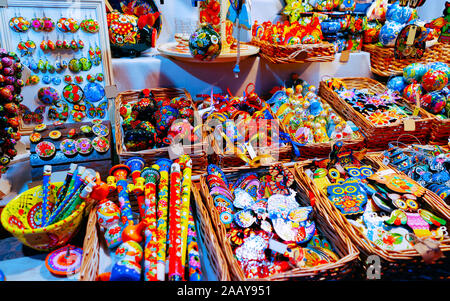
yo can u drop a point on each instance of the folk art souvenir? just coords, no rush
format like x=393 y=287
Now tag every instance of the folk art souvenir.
x=262 y=207
x=382 y=204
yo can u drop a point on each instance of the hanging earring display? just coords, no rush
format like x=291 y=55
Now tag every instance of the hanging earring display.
x=37 y=24
x=26 y=48
x=97 y=111
x=68 y=79
x=49 y=24
x=79 y=79
x=67 y=25
x=86 y=64
x=19 y=24
x=90 y=26
x=75 y=65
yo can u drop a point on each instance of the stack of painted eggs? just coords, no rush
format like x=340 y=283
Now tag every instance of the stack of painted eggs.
x=427 y=82
x=10 y=88
x=155 y=122
x=397 y=17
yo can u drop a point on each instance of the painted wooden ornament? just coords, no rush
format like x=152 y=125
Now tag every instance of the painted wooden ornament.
x=397 y=182
x=68 y=147
x=48 y=95
x=108 y=216
x=45 y=149
x=347 y=196
x=73 y=93
x=419 y=220
x=67 y=25
x=414 y=72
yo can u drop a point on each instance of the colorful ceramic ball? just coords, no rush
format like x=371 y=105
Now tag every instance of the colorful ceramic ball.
x=414 y=72
x=389 y=32
x=434 y=80
x=439 y=66
x=411 y=91
x=434 y=102
x=205 y=43
x=399 y=14
x=397 y=84
x=164 y=118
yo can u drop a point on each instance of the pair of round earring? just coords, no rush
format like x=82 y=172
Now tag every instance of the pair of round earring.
x=81 y=64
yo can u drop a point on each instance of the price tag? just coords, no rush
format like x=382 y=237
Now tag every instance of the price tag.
x=251 y=151
x=411 y=35
x=345 y=56
x=277 y=246
x=111 y=91
x=410 y=125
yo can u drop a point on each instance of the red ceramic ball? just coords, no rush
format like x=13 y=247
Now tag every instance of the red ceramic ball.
x=434 y=80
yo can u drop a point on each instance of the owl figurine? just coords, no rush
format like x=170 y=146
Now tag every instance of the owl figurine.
x=397 y=182
x=419 y=220
x=347 y=196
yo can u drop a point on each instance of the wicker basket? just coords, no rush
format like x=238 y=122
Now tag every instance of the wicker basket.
x=321 y=150
x=395 y=265
x=378 y=137
x=301 y=53
x=196 y=151
x=346 y=267
x=265 y=156
x=384 y=63
x=94 y=240
x=440 y=131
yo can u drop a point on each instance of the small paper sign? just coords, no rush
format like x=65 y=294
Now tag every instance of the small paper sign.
x=111 y=91
x=26 y=72
x=386 y=172
x=175 y=151
x=345 y=56
x=251 y=151
x=277 y=246
x=411 y=35
x=410 y=125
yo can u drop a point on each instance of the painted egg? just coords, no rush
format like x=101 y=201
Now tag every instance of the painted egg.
x=434 y=80
x=205 y=43
x=439 y=66
x=309 y=39
x=400 y=14
x=411 y=91
x=389 y=32
x=397 y=84
x=164 y=118
x=414 y=72
x=434 y=102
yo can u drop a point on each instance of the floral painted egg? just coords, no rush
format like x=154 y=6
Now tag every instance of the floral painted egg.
x=400 y=14
x=372 y=32
x=310 y=39
x=434 y=102
x=439 y=66
x=412 y=91
x=414 y=72
x=397 y=84
x=434 y=80
x=126 y=37
x=164 y=118
x=358 y=23
x=205 y=43
x=389 y=32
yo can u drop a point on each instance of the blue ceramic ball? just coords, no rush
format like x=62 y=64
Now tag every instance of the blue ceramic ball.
x=389 y=32
x=399 y=14
x=205 y=43
x=414 y=72
x=397 y=84
x=125 y=270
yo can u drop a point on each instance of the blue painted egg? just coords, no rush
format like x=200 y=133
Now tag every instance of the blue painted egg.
x=389 y=32
x=434 y=102
x=397 y=84
x=399 y=14
x=414 y=72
